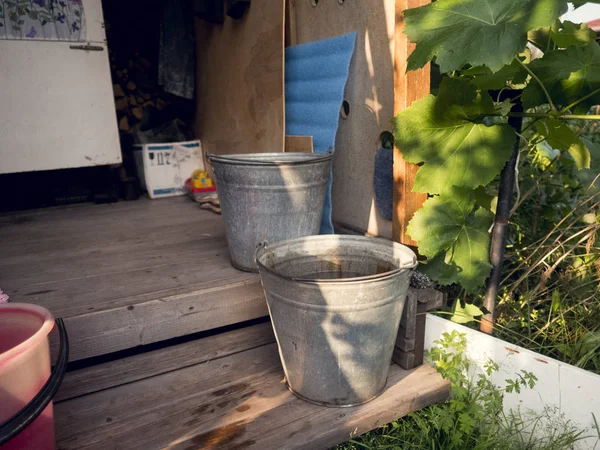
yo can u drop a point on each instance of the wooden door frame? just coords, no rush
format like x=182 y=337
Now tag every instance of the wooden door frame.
x=408 y=87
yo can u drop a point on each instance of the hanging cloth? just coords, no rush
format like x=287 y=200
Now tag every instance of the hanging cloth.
x=177 y=53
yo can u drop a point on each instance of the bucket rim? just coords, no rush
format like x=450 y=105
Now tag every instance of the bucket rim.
x=32 y=341
x=265 y=246
x=279 y=159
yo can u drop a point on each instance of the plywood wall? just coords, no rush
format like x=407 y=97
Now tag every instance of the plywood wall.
x=240 y=84
x=369 y=92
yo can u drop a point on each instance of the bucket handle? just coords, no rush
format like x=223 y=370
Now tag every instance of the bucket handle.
x=34 y=408
x=262 y=244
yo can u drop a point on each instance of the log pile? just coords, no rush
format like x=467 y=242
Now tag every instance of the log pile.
x=139 y=101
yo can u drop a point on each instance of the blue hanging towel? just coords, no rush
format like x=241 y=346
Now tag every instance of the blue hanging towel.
x=315 y=78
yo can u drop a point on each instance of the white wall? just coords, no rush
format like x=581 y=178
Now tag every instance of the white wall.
x=575 y=392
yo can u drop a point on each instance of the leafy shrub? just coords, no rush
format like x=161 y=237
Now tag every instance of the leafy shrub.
x=473 y=417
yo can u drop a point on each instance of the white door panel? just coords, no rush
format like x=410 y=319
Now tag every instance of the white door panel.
x=56 y=104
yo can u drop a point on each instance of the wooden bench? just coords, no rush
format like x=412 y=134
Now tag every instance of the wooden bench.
x=151 y=281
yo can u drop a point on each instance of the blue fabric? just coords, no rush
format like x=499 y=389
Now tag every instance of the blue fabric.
x=383 y=182
x=315 y=78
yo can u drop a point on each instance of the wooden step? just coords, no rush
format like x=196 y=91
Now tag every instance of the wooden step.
x=224 y=392
x=128 y=273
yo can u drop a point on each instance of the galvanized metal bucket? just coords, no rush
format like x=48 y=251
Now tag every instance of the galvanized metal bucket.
x=335 y=304
x=269 y=196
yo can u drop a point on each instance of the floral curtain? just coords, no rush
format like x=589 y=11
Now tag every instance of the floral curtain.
x=49 y=20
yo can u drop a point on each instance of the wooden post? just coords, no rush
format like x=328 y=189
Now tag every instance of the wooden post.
x=408 y=87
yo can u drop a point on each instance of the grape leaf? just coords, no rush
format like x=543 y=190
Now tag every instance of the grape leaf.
x=594 y=150
x=437 y=269
x=568 y=75
x=560 y=136
x=588 y=176
x=567 y=34
x=444 y=133
x=573 y=34
x=448 y=223
x=485 y=200
x=466 y=314
x=476 y=32
x=485 y=79
x=504 y=106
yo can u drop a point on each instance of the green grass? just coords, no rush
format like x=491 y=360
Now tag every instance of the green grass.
x=473 y=418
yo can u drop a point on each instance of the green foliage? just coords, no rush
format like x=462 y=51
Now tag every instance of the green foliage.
x=570 y=33
x=446 y=133
x=550 y=295
x=460 y=136
x=466 y=314
x=476 y=32
x=483 y=78
x=473 y=417
x=568 y=75
x=558 y=135
x=450 y=224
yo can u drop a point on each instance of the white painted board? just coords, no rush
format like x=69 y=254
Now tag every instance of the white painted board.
x=574 y=393
x=56 y=104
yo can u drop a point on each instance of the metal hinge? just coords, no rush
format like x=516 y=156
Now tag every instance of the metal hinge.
x=88 y=48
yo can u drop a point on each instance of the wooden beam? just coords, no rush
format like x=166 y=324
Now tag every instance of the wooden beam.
x=154 y=363
x=291 y=32
x=299 y=144
x=408 y=87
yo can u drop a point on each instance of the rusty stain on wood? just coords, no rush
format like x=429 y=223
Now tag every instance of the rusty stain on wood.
x=231 y=389
x=218 y=438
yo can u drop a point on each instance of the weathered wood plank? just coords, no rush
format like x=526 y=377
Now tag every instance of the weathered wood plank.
x=323 y=428
x=408 y=87
x=145 y=365
x=126 y=274
x=299 y=144
x=149 y=412
x=164 y=318
x=236 y=401
x=80 y=294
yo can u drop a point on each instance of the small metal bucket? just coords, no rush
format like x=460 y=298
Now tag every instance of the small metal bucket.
x=269 y=196
x=335 y=304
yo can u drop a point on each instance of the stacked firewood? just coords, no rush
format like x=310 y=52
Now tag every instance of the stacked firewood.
x=138 y=99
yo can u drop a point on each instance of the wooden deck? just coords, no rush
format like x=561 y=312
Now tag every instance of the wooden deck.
x=128 y=273
x=133 y=273
x=222 y=392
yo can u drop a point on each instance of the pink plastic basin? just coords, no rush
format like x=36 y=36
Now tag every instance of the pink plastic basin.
x=24 y=369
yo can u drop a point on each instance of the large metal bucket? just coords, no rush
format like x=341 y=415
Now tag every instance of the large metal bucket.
x=269 y=196
x=335 y=304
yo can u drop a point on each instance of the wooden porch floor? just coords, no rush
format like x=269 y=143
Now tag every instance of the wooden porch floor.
x=133 y=273
x=128 y=273
x=222 y=392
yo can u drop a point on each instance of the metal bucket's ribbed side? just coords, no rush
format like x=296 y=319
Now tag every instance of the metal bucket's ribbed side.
x=336 y=335
x=269 y=197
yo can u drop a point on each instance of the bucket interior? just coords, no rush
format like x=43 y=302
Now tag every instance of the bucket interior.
x=16 y=326
x=321 y=258
x=273 y=159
